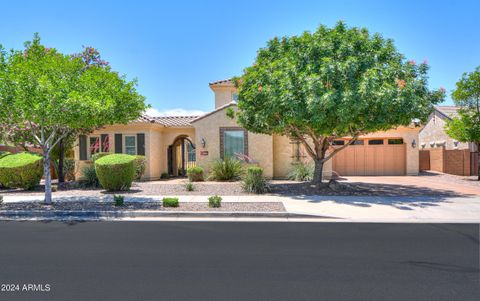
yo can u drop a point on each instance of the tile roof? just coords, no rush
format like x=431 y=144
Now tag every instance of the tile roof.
x=448 y=111
x=174 y=121
x=222 y=82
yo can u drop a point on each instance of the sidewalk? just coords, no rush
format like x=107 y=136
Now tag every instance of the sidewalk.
x=331 y=208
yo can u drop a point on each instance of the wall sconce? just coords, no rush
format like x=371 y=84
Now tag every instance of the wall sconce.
x=414 y=143
x=203 y=142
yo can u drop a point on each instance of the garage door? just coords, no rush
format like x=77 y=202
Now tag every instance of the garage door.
x=371 y=157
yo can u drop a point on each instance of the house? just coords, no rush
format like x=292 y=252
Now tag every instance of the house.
x=433 y=134
x=172 y=144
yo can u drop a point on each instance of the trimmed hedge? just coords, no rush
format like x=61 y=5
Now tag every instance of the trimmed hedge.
x=170 y=202
x=195 y=174
x=4 y=154
x=116 y=171
x=140 y=166
x=97 y=156
x=23 y=170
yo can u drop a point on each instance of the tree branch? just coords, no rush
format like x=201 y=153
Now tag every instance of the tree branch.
x=336 y=150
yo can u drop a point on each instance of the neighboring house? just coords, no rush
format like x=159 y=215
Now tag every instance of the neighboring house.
x=433 y=134
x=172 y=144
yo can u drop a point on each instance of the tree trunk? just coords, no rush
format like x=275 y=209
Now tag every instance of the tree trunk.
x=48 y=177
x=61 y=159
x=318 y=172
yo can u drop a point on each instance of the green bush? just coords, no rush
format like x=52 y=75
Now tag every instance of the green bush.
x=23 y=170
x=189 y=186
x=170 y=202
x=301 y=172
x=164 y=175
x=254 y=181
x=116 y=172
x=97 y=156
x=195 y=174
x=69 y=169
x=215 y=201
x=228 y=169
x=1 y=200
x=119 y=200
x=89 y=176
x=4 y=154
x=140 y=166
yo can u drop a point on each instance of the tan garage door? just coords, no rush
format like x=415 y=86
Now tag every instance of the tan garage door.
x=371 y=157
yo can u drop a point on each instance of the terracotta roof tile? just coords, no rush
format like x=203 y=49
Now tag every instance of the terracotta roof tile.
x=222 y=82
x=448 y=111
x=174 y=121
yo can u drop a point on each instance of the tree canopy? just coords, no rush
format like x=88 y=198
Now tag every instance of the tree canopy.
x=334 y=82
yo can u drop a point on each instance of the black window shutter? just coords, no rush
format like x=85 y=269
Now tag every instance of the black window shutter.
x=141 y=144
x=118 y=143
x=105 y=144
x=82 y=142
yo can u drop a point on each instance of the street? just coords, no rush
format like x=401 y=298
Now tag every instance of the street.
x=239 y=261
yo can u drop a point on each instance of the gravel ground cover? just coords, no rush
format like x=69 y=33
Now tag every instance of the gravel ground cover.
x=129 y=206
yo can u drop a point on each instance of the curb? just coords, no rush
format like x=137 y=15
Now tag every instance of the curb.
x=112 y=215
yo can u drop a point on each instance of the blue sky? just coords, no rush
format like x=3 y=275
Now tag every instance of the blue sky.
x=176 y=48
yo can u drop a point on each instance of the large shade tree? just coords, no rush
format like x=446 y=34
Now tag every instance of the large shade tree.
x=466 y=126
x=54 y=95
x=335 y=82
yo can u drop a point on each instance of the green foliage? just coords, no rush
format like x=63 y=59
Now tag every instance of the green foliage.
x=116 y=172
x=23 y=170
x=89 y=176
x=228 y=169
x=4 y=154
x=97 y=156
x=1 y=200
x=230 y=113
x=170 y=202
x=215 y=201
x=189 y=186
x=254 y=181
x=140 y=166
x=69 y=169
x=331 y=83
x=118 y=200
x=195 y=174
x=301 y=172
x=164 y=175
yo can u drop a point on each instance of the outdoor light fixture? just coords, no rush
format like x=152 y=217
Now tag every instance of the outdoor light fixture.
x=203 y=142
x=414 y=143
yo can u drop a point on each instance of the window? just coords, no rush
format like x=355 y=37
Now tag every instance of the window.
x=375 y=142
x=232 y=141
x=234 y=97
x=93 y=145
x=130 y=144
x=358 y=142
x=338 y=142
x=397 y=141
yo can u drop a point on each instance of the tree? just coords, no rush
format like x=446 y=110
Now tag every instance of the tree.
x=332 y=83
x=466 y=127
x=54 y=95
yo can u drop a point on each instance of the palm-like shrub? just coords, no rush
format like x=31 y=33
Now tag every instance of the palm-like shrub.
x=254 y=181
x=228 y=169
x=195 y=174
x=89 y=176
x=23 y=170
x=140 y=166
x=301 y=172
x=116 y=172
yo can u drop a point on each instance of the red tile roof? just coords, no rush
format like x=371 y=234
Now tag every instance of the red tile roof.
x=222 y=82
x=448 y=111
x=174 y=121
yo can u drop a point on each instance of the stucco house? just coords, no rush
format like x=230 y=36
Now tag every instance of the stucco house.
x=433 y=134
x=172 y=144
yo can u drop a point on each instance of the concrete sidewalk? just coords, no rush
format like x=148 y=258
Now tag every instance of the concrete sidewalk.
x=342 y=208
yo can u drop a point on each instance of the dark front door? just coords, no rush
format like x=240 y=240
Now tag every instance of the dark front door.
x=170 y=160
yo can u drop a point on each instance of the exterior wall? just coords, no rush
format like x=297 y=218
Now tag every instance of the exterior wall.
x=260 y=147
x=223 y=94
x=433 y=134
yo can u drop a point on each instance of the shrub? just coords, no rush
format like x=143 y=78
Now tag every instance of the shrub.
x=118 y=200
x=254 y=181
x=215 y=201
x=164 y=175
x=69 y=169
x=89 y=176
x=23 y=170
x=189 y=186
x=4 y=154
x=97 y=156
x=54 y=188
x=228 y=169
x=116 y=172
x=170 y=202
x=301 y=172
x=195 y=174
x=140 y=166
x=1 y=200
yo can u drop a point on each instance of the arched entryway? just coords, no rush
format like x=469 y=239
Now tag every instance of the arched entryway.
x=181 y=156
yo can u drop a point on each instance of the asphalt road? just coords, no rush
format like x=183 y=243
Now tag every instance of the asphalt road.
x=239 y=261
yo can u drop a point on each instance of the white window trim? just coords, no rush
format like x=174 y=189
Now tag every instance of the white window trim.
x=89 y=155
x=124 y=148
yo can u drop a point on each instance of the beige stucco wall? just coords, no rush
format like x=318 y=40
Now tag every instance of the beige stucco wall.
x=260 y=147
x=223 y=94
x=433 y=134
